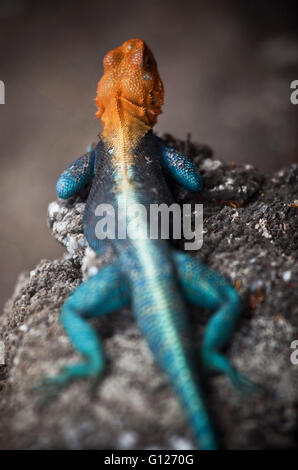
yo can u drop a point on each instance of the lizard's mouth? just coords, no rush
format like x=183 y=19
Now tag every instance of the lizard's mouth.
x=152 y=114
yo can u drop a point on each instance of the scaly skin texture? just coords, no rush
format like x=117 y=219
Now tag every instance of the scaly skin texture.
x=131 y=165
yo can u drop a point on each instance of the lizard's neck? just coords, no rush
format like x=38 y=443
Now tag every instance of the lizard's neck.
x=124 y=124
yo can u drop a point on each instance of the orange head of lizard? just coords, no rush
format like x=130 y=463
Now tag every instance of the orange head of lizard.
x=130 y=88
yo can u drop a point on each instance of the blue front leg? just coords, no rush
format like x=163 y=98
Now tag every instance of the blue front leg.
x=76 y=175
x=181 y=168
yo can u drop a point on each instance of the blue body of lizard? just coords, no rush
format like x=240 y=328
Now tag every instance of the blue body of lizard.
x=150 y=275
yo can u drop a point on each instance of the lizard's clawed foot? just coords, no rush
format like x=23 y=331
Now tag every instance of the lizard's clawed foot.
x=218 y=362
x=50 y=387
x=243 y=384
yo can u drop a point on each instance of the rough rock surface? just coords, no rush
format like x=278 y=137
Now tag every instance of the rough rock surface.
x=249 y=236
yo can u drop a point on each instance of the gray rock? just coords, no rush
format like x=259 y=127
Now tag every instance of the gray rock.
x=250 y=236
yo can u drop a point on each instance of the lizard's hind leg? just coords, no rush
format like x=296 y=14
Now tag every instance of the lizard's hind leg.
x=103 y=293
x=205 y=288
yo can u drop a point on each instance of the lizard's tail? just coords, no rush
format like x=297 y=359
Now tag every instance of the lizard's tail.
x=162 y=318
x=192 y=400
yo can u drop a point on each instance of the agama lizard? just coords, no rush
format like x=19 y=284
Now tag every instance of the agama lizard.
x=130 y=164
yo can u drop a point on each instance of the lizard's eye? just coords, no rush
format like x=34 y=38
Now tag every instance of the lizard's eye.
x=147 y=62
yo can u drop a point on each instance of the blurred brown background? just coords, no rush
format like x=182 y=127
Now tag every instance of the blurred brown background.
x=226 y=67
